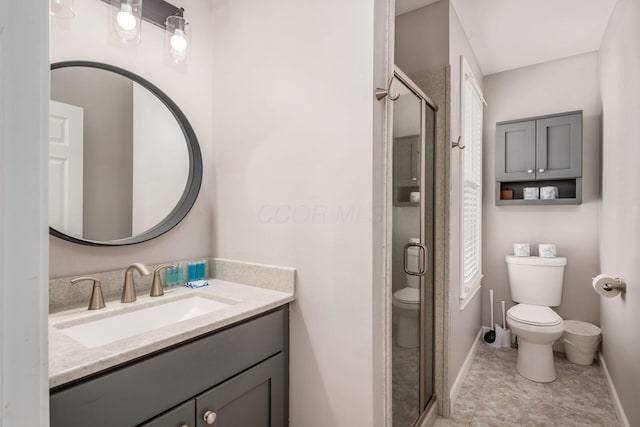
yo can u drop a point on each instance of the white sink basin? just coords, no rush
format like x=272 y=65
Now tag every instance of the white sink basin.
x=125 y=324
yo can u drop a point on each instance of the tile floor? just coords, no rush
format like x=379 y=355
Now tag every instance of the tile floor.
x=405 y=385
x=493 y=394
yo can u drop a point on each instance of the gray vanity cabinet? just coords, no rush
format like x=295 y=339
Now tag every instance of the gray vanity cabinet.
x=253 y=398
x=182 y=416
x=240 y=373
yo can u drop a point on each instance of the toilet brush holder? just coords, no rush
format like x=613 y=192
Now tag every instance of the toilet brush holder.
x=503 y=337
x=497 y=343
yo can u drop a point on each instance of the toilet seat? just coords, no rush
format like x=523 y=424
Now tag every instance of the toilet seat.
x=408 y=295
x=535 y=315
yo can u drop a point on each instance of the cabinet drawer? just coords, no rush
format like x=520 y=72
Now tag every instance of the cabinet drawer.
x=182 y=416
x=140 y=390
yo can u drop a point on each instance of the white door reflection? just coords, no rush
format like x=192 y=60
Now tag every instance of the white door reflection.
x=65 y=167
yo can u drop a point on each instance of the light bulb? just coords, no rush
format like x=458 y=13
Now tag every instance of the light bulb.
x=178 y=41
x=125 y=18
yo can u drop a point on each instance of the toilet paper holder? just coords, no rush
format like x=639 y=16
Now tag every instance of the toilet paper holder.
x=618 y=285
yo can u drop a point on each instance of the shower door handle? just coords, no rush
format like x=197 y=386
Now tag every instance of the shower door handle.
x=422 y=261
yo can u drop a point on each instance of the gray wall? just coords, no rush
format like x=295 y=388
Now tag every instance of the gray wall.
x=293 y=150
x=620 y=213
x=422 y=38
x=464 y=323
x=553 y=87
x=107 y=100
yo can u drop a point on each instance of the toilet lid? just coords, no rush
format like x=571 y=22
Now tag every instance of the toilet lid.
x=410 y=295
x=534 y=315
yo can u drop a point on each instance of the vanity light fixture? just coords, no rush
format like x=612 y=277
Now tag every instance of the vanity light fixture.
x=127 y=17
x=177 y=36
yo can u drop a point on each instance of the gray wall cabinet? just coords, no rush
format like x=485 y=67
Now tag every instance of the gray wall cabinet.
x=239 y=373
x=406 y=169
x=540 y=151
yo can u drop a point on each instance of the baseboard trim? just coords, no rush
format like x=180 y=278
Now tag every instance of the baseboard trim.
x=464 y=370
x=622 y=417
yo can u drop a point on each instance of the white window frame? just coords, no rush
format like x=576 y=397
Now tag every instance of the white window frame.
x=470 y=286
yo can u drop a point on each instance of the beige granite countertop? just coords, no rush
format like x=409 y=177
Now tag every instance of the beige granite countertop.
x=69 y=360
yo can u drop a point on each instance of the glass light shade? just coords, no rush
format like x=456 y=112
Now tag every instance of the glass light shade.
x=61 y=8
x=127 y=19
x=177 y=38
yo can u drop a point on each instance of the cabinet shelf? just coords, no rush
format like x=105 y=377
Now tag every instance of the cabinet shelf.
x=569 y=192
x=402 y=194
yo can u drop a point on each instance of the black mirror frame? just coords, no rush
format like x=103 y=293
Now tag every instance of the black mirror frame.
x=194 y=180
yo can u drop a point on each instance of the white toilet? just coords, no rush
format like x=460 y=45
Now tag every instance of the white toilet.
x=406 y=303
x=536 y=284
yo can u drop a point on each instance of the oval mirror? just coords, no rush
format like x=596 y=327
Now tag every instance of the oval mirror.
x=124 y=162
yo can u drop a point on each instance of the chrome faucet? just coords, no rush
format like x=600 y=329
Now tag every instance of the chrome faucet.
x=156 y=284
x=128 y=290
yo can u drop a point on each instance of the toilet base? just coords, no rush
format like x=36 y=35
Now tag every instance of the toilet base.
x=535 y=361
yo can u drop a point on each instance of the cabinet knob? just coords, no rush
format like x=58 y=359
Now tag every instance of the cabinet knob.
x=210 y=417
x=541 y=170
x=184 y=425
x=529 y=170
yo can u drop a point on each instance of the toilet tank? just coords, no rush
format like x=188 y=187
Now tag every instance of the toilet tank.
x=535 y=280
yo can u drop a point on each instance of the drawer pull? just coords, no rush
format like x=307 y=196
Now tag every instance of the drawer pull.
x=185 y=425
x=210 y=417
x=540 y=170
x=529 y=170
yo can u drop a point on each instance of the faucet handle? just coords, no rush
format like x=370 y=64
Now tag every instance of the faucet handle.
x=156 y=286
x=97 y=300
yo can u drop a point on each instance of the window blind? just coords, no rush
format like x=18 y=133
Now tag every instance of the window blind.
x=471 y=186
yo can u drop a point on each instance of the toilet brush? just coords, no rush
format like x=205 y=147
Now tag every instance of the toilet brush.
x=504 y=317
x=490 y=336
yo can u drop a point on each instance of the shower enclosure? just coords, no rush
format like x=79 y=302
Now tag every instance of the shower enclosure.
x=412 y=250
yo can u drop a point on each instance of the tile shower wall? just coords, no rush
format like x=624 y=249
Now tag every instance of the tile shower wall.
x=87 y=37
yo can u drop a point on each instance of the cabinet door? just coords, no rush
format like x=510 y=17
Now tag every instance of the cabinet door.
x=559 y=147
x=516 y=151
x=253 y=398
x=180 y=416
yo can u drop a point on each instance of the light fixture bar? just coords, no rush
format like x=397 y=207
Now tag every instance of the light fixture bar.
x=156 y=11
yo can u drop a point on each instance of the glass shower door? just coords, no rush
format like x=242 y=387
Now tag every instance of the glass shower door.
x=412 y=252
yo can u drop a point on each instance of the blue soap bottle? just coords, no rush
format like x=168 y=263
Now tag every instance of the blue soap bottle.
x=201 y=269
